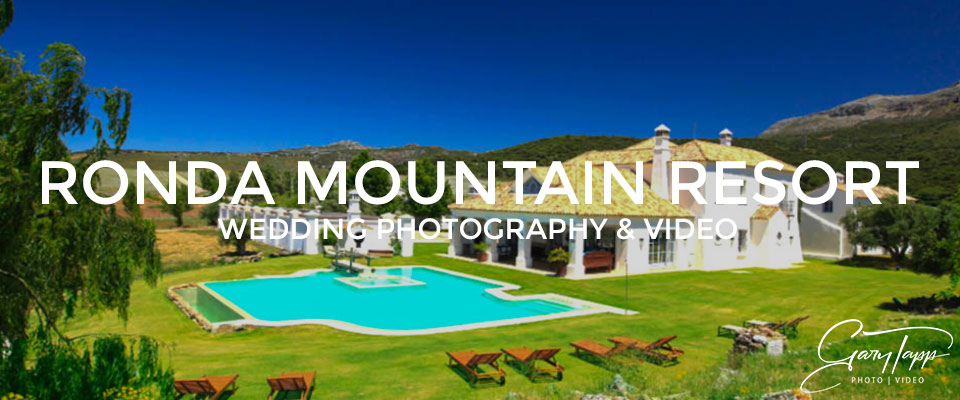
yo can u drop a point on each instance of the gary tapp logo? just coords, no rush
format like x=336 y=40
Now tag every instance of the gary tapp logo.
x=906 y=356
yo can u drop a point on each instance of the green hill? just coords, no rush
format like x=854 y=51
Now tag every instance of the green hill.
x=934 y=142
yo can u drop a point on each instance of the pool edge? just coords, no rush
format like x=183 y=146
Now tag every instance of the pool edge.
x=587 y=308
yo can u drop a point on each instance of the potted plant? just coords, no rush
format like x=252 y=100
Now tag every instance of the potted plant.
x=481 y=250
x=559 y=258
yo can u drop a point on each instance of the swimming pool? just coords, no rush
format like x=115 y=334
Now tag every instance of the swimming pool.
x=395 y=301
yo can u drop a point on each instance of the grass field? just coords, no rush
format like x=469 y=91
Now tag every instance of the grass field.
x=688 y=304
x=195 y=248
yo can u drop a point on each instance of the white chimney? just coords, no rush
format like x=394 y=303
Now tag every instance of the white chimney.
x=726 y=137
x=661 y=156
x=353 y=205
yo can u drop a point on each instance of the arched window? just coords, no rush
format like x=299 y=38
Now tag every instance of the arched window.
x=531 y=187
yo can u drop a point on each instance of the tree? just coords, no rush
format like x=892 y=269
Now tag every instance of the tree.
x=130 y=204
x=208 y=180
x=426 y=185
x=210 y=213
x=180 y=207
x=376 y=182
x=893 y=227
x=59 y=256
x=239 y=238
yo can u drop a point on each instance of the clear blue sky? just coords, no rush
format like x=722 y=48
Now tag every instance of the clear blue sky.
x=256 y=76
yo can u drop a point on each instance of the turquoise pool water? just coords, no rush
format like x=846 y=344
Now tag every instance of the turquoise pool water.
x=443 y=300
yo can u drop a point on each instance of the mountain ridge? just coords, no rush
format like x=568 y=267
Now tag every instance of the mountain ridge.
x=938 y=103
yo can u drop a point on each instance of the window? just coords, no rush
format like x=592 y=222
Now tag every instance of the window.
x=531 y=187
x=661 y=250
x=828 y=207
x=741 y=241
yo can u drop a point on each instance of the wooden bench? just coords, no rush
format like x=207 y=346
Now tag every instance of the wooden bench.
x=598 y=260
x=380 y=253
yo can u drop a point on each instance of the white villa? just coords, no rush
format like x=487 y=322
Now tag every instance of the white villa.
x=767 y=236
x=822 y=233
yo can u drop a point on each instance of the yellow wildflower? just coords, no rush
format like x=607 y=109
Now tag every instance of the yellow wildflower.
x=926 y=370
x=945 y=380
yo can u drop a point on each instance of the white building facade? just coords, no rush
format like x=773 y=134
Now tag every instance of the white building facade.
x=821 y=228
x=299 y=230
x=766 y=236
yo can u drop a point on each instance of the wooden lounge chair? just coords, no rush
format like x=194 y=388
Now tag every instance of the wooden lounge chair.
x=212 y=387
x=472 y=361
x=758 y=323
x=528 y=358
x=790 y=328
x=729 y=330
x=292 y=382
x=659 y=351
x=598 y=349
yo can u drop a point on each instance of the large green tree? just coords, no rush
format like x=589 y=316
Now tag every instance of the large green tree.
x=376 y=182
x=426 y=185
x=178 y=208
x=57 y=257
x=895 y=228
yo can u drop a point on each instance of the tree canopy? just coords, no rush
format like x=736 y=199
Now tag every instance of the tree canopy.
x=57 y=257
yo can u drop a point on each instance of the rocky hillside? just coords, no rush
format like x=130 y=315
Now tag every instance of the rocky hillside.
x=935 y=105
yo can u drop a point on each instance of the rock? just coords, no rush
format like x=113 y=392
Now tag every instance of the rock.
x=942 y=102
x=620 y=385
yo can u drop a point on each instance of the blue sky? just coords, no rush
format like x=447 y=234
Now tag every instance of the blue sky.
x=258 y=76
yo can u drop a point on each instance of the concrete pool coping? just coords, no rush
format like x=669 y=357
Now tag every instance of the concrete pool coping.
x=583 y=307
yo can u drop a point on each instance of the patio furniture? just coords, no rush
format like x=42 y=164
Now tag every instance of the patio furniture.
x=790 y=328
x=756 y=323
x=292 y=382
x=659 y=351
x=601 y=260
x=528 y=359
x=598 y=349
x=729 y=330
x=472 y=362
x=210 y=386
x=380 y=253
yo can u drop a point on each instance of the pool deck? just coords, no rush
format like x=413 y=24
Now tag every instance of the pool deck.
x=583 y=308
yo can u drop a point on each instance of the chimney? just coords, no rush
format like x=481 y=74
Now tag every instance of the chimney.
x=726 y=137
x=353 y=205
x=661 y=156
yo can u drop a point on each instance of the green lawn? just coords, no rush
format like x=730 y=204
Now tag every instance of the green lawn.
x=688 y=304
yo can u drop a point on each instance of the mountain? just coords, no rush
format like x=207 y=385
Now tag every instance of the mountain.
x=934 y=105
x=924 y=128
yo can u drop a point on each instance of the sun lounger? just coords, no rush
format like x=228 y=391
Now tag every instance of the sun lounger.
x=790 y=328
x=211 y=386
x=292 y=382
x=659 y=351
x=757 y=323
x=729 y=330
x=598 y=349
x=528 y=358
x=472 y=362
